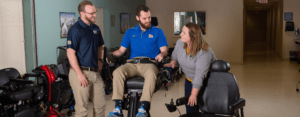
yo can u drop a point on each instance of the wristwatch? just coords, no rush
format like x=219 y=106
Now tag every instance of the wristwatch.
x=102 y=60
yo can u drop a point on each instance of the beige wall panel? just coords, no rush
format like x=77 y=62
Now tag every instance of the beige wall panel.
x=289 y=37
x=99 y=20
x=224 y=23
x=12 y=35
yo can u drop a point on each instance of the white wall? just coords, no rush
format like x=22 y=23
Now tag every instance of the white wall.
x=224 y=23
x=12 y=51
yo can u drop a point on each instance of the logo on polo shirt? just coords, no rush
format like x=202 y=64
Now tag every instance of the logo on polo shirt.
x=133 y=35
x=95 y=32
x=150 y=36
x=69 y=42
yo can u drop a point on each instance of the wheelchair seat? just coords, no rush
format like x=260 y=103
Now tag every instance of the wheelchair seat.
x=16 y=96
x=14 y=74
x=219 y=95
x=12 y=94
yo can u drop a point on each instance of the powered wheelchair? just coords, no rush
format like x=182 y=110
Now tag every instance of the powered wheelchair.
x=19 y=97
x=218 y=97
x=133 y=88
x=50 y=91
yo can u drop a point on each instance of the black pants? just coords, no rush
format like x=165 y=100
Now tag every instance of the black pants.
x=188 y=91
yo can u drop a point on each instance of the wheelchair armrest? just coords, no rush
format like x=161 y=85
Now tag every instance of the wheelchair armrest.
x=182 y=101
x=162 y=62
x=21 y=81
x=38 y=71
x=4 y=87
x=240 y=103
x=30 y=75
x=64 y=77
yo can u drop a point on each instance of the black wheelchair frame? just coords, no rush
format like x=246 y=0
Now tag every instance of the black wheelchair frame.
x=19 y=97
x=218 y=97
x=131 y=101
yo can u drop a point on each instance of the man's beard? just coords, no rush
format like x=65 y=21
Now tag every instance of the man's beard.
x=144 y=25
x=90 y=21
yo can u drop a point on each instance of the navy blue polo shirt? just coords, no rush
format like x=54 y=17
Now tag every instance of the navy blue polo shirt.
x=144 y=44
x=85 y=40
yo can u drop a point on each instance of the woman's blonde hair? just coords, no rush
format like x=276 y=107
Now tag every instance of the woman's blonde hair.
x=197 y=41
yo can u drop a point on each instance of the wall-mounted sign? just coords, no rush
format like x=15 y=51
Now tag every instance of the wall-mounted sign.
x=288 y=16
x=262 y=1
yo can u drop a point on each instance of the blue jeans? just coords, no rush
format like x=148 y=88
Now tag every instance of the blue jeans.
x=188 y=91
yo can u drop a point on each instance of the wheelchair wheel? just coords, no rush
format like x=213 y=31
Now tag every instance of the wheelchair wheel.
x=167 y=88
x=108 y=87
x=108 y=90
x=168 y=84
x=70 y=102
x=174 y=78
x=178 y=75
x=69 y=113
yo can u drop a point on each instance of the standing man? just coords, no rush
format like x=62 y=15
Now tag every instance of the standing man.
x=85 y=52
x=144 y=40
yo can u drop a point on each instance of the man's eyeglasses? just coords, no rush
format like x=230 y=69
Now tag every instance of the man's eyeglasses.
x=90 y=13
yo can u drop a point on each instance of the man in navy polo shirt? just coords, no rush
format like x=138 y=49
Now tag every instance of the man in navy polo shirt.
x=85 y=53
x=144 y=40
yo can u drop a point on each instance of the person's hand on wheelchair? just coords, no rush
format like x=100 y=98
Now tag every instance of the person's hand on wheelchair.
x=193 y=97
x=110 y=58
x=159 y=57
x=192 y=100
x=171 y=64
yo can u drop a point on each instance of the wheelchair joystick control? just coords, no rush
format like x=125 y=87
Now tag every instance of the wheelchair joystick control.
x=171 y=107
x=111 y=58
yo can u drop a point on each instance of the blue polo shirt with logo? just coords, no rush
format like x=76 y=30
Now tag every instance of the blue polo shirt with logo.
x=144 y=44
x=85 y=40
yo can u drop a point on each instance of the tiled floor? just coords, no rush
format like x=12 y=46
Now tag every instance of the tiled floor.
x=266 y=82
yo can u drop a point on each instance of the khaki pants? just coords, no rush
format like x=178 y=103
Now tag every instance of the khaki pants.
x=148 y=71
x=94 y=91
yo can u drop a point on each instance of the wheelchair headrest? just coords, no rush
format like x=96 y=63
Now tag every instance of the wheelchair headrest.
x=220 y=66
x=154 y=21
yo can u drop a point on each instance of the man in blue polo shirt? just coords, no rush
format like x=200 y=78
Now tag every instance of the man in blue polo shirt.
x=144 y=40
x=85 y=53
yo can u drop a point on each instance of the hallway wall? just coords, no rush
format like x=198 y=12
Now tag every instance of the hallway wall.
x=244 y=28
x=278 y=36
x=224 y=26
x=274 y=35
x=289 y=36
x=269 y=27
x=256 y=26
